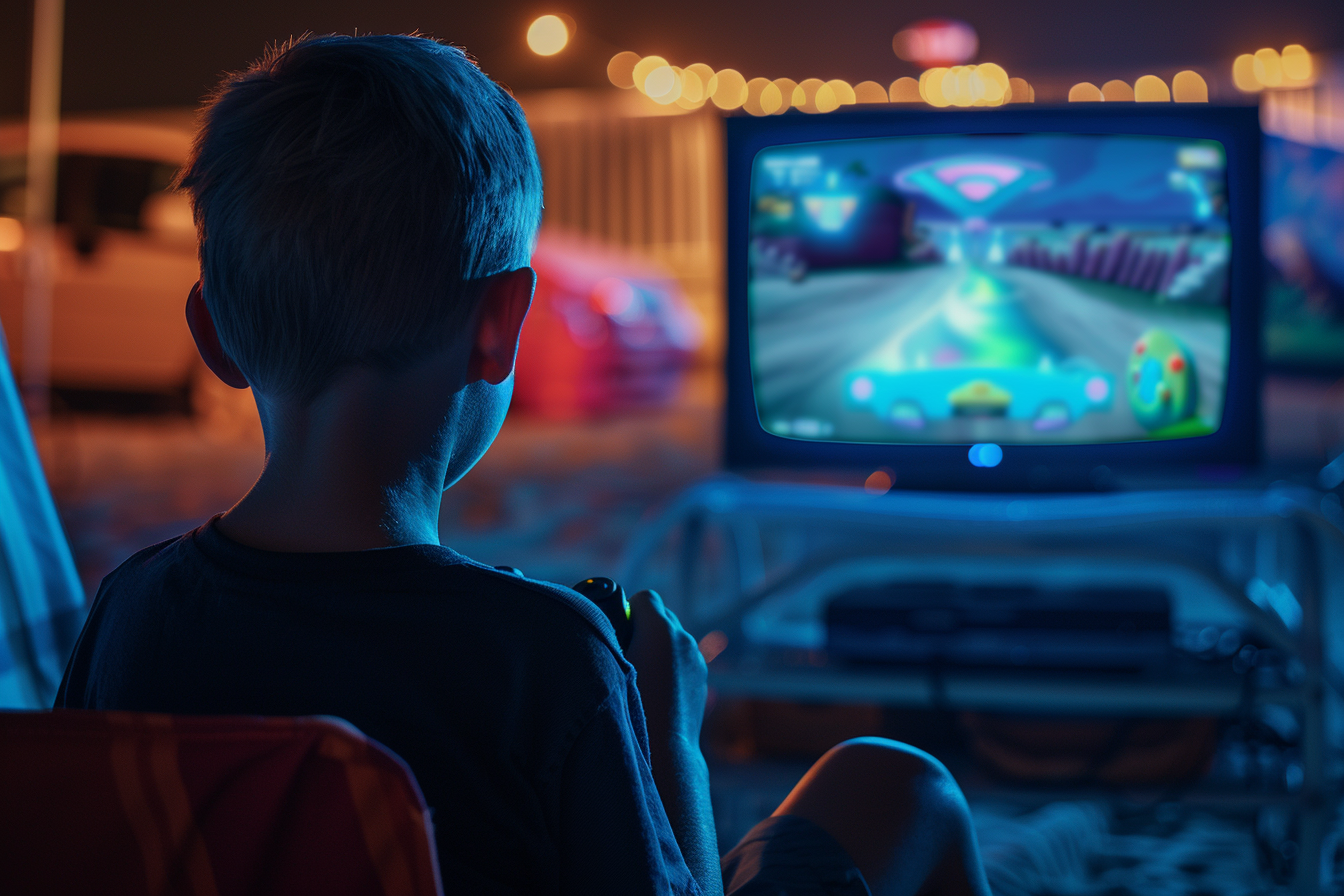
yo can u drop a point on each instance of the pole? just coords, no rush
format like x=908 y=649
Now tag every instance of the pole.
x=44 y=118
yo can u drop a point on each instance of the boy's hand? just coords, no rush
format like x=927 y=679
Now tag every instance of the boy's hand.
x=672 y=673
x=672 y=687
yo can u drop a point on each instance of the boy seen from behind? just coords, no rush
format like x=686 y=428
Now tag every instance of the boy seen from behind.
x=367 y=208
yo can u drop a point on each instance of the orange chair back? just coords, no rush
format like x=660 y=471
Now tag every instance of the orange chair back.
x=110 y=802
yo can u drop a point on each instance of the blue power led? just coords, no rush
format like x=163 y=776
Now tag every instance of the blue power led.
x=986 y=454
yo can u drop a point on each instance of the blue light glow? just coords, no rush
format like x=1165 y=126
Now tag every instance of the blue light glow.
x=986 y=454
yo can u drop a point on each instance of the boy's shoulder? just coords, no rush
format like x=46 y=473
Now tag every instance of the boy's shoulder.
x=171 y=604
x=432 y=579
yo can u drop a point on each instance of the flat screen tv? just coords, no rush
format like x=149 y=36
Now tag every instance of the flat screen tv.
x=994 y=298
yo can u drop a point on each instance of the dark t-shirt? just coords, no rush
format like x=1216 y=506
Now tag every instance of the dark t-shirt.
x=507 y=697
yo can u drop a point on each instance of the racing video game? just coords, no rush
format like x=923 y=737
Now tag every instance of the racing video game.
x=1016 y=289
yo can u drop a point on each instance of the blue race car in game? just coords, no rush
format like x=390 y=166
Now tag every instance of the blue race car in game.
x=1049 y=397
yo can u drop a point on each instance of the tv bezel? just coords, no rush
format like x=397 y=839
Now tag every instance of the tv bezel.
x=747 y=445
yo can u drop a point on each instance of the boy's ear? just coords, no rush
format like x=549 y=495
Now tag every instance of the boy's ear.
x=202 y=328
x=503 y=307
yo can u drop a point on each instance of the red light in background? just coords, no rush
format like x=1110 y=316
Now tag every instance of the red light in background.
x=936 y=42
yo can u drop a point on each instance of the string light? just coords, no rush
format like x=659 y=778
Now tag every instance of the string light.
x=663 y=85
x=786 y=88
x=763 y=97
x=643 y=68
x=904 y=90
x=1243 y=74
x=931 y=86
x=825 y=99
x=1021 y=91
x=869 y=92
x=1151 y=89
x=1266 y=67
x=805 y=95
x=844 y=94
x=728 y=89
x=1086 y=92
x=693 y=87
x=1117 y=91
x=1296 y=63
x=986 y=84
x=1189 y=87
x=621 y=69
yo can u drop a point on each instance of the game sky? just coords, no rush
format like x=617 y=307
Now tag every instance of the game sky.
x=1012 y=289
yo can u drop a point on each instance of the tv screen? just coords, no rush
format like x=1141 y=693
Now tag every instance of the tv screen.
x=1078 y=287
x=1017 y=289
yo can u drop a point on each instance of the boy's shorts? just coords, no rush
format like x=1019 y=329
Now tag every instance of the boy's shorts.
x=787 y=855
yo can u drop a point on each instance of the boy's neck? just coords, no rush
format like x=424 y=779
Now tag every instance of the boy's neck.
x=363 y=465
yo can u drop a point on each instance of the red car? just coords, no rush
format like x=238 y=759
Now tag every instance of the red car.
x=608 y=331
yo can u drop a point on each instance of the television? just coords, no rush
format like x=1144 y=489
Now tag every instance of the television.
x=1013 y=298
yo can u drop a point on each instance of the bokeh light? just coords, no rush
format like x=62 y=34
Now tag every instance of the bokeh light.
x=547 y=35
x=869 y=92
x=663 y=85
x=11 y=234
x=621 y=69
x=695 y=80
x=931 y=87
x=786 y=88
x=805 y=94
x=956 y=85
x=844 y=94
x=1086 y=92
x=1020 y=91
x=1296 y=63
x=1243 y=74
x=879 y=482
x=825 y=99
x=640 y=73
x=772 y=99
x=936 y=43
x=1268 y=67
x=904 y=90
x=728 y=89
x=1189 y=87
x=1151 y=89
x=1117 y=91
x=966 y=85
x=693 y=94
x=713 y=644
x=755 y=89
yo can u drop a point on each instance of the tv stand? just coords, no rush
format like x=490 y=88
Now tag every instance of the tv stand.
x=757 y=561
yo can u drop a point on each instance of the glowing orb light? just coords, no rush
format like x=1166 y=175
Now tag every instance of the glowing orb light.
x=547 y=35
x=934 y=43
x=985 y=455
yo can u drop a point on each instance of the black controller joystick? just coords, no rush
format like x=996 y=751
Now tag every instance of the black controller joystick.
x=610 y=599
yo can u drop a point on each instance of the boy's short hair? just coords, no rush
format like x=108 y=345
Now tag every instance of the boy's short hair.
x=348 y=193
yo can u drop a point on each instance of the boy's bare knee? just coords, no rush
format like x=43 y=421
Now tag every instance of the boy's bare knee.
x=876 y=778
x=879 y=760
x=895 y=809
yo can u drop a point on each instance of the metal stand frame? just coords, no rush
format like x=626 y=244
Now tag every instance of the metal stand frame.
x=725 y=545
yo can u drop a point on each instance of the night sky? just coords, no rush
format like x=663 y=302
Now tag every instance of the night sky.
x=169 y=52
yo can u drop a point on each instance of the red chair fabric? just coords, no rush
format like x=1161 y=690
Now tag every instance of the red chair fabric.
x=112 y=803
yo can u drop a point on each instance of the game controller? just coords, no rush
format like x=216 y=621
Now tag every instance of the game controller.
x=611 y=600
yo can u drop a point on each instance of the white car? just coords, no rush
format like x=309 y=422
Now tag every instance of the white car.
x=125 y=254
